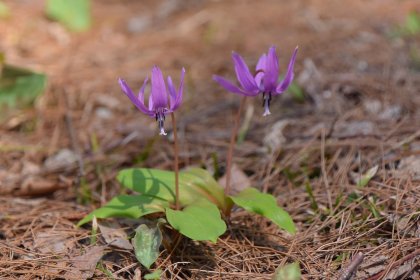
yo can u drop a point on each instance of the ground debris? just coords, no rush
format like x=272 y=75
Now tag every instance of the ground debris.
x=114 y=235
x=83 y=266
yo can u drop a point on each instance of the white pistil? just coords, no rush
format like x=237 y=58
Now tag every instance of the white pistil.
x=162 y=131
x=267 y=99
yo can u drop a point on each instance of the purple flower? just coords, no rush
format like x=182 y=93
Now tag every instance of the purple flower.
x=264 y=81
x=158 y=106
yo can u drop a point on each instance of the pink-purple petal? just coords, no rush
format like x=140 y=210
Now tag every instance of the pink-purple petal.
x=172 y=92
x=271 y=70
x=140 y=96
x=178 y=100
x=260 y=70
x=231 y=87
x=136 y=101
x=288 y=78
x=243 y=74
x=158 y=94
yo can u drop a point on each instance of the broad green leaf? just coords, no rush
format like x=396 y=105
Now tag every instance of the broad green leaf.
x=128 y=206
x=146 y=244
x=20 y=87
x=74 y=14
x=265 y=205
x=194 y=184
x=288 y=272
x=155 y=275
x=364 y=180
x=200 y=178
x=4 y=10
x=199 y=221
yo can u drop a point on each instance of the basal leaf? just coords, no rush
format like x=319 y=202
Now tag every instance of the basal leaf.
x=74 y=14
x=199 y=221
x=154 y=182
x=128 y=206
x=20 y=87
x=146 y=244
x=265 y=205
x=202 y=179
x=288 y=272
x=194 y=184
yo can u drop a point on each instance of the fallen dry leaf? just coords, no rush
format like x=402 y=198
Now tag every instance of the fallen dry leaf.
x=238 y=182
x=52 y=241
x=114 y=235
x=83 y=267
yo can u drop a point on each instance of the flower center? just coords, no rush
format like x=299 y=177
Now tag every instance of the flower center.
x=160 y=118
x=266 y=103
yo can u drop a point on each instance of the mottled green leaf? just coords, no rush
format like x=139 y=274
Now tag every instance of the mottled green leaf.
x=128 y=206
x=265 y=205
x=74 y=14
x=288 y=272
x=146 y=244
x=200 y=220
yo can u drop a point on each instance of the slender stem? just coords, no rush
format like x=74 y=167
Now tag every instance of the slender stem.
x=176 y=164
x=232 y=145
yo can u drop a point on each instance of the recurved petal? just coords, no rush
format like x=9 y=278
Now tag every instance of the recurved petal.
x=260 y=70
x=172 y=92
x=288 y=78
x=180 y=93
x=245 y=77
x=271 y=70
x=140 y=96
x=261 y=63
x=231 y=87
x=151 y=108
x=158 y=95
x=136 y=101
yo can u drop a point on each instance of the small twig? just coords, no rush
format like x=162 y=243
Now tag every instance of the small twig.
x=176 y=162
x=351 y=269
x=232 y=145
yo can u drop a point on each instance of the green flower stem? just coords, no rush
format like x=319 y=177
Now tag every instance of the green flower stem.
x=176 y=162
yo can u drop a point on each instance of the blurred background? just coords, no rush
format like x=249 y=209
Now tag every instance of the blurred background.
x=348 y=51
